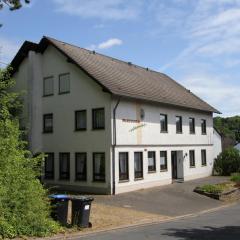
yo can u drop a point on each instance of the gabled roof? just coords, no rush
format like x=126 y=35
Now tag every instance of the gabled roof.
x=121 y=78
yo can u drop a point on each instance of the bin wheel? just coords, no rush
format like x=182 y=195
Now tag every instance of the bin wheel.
x=89 y=225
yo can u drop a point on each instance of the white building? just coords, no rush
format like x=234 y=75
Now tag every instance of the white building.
x=237 y=146
x=109 y=126
x=217 y=143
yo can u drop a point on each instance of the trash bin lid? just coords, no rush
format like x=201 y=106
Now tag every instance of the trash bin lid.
x=59 y=196
x=81 y=198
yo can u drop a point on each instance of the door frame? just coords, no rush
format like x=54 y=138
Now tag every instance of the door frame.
x=174 y=164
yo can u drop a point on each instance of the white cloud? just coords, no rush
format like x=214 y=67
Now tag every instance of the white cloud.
x=103 y=9
x=107 y=44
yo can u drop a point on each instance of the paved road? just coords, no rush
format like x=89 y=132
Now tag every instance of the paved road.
x=221 y=225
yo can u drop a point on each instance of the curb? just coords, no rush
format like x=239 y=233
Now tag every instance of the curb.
x=76 y=236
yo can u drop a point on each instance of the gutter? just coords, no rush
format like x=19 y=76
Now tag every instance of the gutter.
x=114 y=146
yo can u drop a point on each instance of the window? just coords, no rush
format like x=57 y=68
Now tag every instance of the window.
x=192 y=158
x=48 y=86
x=80 y=120
x=163 y=122
x=64 y=83
x=178 y=124
x=123 y=166
x=48 y=123
x=204 y=157
x=81 y=166
x=99 y=167
x=163 y=160
x=98 y=118
x=64 y=166
x=203 y=126
x=192 y=125
x=49 y=166
x=138 y=165
x=151 y=161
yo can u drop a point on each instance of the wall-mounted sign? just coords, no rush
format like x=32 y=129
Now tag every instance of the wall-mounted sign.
x=130 y=120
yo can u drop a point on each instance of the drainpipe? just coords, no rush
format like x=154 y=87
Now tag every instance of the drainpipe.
x=114 y=146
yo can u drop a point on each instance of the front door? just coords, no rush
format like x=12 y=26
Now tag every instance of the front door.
x=174 y=164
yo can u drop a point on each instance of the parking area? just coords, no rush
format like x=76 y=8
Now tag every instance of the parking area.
x=171 y=200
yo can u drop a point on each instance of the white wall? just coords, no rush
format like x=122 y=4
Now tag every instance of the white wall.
x=217 y=144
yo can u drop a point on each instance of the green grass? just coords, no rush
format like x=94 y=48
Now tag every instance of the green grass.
x=215 y=188
x=235 y=177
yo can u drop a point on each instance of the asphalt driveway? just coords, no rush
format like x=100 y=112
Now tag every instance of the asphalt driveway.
x=172 y=200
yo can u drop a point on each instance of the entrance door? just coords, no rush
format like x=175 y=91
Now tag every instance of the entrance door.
x=174 y=164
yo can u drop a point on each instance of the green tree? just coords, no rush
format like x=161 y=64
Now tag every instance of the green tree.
x=24 y=205
x=13 y=4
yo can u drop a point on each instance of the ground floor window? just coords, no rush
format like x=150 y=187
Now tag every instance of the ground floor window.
x=204 y=157
x=49 y=166
x=151 y=161
x=99 y=167
x=123 y=166
x=138 y=165
x=64 y=166
x=81 y=166
x=163 y=161
x=192 y=158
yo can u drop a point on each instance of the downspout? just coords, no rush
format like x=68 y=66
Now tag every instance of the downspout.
x=114 y=146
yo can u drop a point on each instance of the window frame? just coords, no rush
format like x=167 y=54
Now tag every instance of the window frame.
x=140 y=177
x=165 y=169
x=61 y=173
x=153 y=170
x=51 y=94
x=181 y=129
x=165 y=130
x=44 y=123
x=204 y=126
x=123 y=177
x=94 y=174
x=75 y=115
x=59 y=76
x=52 y=173
x=93 y=118
x=84 y=174
x=205 y=156
x=194 y=126
x=194 y=159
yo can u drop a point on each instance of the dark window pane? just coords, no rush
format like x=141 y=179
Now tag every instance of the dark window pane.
x=178 y=124
x=204 y=157
x=192 y=158
x=123 y=166
x=48 y=123
x=98 y=118
x=163 y=122
x=64 y=83
x=138 y=165
x=192 y=125
x=203 y=126
x=81 y=120
x=48 y=86
x=151 y=161
x=64 y=167
x=163 y=160
x=98 y=166
x=49 y=166
x=81 y=166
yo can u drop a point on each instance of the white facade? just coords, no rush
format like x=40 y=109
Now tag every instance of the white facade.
x=134 y=133
x=237 y=146
x=217 y=143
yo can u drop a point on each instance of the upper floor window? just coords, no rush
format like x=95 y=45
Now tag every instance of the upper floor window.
x=123 y=166
x=163 y=122
x=151 y=161
x=163 y=161
x=203 y=126
x=204 y=157
x=138 y=165
x=64 y=166
x=192 y=158
x=98 y=118
x=48 y=123
x=48 y=86
x=64 y=83
x=192 y=125
x=81 y=166
x=49 y=166
x=178 y=124
x=80 y=120
x=99 y=167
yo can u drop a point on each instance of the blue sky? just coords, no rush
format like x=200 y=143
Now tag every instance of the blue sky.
x=196 y=42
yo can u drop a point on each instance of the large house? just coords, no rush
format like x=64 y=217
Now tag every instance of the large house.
x=109 y=126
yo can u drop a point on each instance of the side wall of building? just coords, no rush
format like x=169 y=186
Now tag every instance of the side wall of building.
x=217 y=143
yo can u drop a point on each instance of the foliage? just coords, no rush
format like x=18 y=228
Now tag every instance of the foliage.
x=24 y=205
x=235 y=177
x=227 y=162
x=13 y=4
x=211 y=188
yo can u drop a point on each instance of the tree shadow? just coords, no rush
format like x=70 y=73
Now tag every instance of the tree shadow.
x=219 y=233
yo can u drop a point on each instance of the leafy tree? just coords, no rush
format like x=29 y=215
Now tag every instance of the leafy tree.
x=24 y=205
x=13 y=4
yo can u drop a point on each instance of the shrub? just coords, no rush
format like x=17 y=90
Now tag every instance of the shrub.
x=227 y=162
x=235 y=177
x=212 y=188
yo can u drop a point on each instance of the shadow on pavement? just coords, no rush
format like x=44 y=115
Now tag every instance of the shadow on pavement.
x=210 y=233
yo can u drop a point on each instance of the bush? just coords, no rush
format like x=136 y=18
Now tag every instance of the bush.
x=235 y=177
x=227 y=162
x=212 y=188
